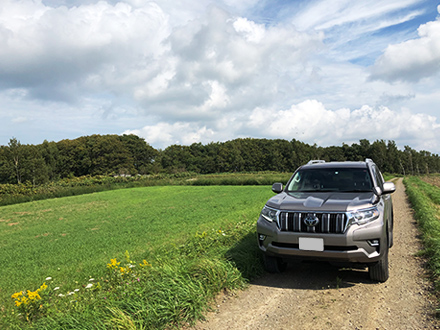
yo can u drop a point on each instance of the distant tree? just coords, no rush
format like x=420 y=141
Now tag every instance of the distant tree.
x=379 y=155
x=334 y=153
x=130 y=154
x=7 y=171
x=177 y=158
x=392 y=164
x=108 y=155
x=50 y=153
x=209 y=162
x=34 y=168
x=16 y=153
x=144 y=156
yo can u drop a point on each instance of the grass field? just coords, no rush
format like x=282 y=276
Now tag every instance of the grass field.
x=424 y=195
x=72 y=239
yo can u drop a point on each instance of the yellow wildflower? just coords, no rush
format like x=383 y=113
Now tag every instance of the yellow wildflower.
x=145 y=263
x=18 y=303
x=17 y=294
x=113 y=263
x=42 y=287
x=33 y=295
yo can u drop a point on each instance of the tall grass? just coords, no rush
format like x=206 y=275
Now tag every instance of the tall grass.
x=424 y=199
x=198 y=241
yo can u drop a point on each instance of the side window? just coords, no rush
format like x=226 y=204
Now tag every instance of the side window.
x=378 y=177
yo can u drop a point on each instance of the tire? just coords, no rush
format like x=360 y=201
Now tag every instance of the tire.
x=391 y=238
x=274 y=264
x=379 y=271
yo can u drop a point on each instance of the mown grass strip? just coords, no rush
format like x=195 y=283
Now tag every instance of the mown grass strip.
x=422 y=197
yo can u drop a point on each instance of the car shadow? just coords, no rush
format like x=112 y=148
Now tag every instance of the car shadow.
x=314 y=276
x=247 y=257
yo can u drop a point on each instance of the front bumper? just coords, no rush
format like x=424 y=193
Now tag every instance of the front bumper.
x=359 y=244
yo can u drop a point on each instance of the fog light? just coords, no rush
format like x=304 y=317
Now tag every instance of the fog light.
x=261 y=237
x=373 y=242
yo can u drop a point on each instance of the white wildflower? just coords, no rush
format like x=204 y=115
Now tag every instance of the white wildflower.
x=76 y=290
x=60 y=295
x=56 y=288
x=48 y=278
x=89 y=285
x=92 y=279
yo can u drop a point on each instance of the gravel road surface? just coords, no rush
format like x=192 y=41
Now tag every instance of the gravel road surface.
x=319 y=296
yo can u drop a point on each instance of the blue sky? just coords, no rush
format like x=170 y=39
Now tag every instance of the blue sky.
x=324 y=72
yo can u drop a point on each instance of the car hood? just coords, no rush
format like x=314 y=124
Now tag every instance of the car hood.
x=322 y=201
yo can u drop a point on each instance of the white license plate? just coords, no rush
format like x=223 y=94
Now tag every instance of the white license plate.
x=311 y=244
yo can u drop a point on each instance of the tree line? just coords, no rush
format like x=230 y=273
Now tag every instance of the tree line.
x=132 y=155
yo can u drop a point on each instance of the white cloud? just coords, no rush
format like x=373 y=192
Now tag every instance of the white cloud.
x=411 y=60
x=310 y=121
x=226 y=63
x=19 y=120
x=358 y=30
x=60 y=49
x=164 y=134
x=324 y=14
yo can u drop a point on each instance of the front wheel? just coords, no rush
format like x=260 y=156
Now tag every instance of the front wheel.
x=274 y=264
x=379 y=271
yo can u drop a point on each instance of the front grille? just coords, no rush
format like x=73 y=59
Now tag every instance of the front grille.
x=327 y=223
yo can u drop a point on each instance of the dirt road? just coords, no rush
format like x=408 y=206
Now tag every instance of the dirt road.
x=317 y=296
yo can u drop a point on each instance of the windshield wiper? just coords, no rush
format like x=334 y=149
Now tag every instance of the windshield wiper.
x=355 y=190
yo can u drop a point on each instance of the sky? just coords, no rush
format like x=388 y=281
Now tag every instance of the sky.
x=180 y=72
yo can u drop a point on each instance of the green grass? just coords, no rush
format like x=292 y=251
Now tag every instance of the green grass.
x=424 y=199
x=26 y=192
x=199 y=239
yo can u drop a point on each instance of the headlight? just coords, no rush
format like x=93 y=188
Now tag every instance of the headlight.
x=269 y=214
x=363 y=216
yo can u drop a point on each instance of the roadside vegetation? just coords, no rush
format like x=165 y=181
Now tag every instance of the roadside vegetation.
x=424 y=196
x=149 y=257
x=26 y=192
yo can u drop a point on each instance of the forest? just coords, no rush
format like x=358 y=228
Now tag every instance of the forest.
x=128 y=155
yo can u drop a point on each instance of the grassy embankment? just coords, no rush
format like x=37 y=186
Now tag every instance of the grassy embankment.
x=425 y=200
x=185 y=244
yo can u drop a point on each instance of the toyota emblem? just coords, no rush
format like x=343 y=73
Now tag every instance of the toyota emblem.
x=311 y=220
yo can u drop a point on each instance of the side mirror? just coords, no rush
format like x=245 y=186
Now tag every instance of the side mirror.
x=277 y=187
x=377 y=191
x=388 y=188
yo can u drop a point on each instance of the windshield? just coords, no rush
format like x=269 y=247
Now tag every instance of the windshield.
x=331 y=179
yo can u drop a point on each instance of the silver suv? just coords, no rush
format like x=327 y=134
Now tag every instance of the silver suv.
x=339 y=212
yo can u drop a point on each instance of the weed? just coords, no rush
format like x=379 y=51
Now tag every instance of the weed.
x=338 y=282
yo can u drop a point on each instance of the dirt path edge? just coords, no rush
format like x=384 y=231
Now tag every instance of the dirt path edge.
x=318 y=296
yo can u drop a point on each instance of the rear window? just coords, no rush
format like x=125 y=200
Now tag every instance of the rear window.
x=331 y=179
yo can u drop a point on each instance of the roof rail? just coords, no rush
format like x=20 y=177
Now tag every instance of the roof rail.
x=315 y=161
x=368 y=160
